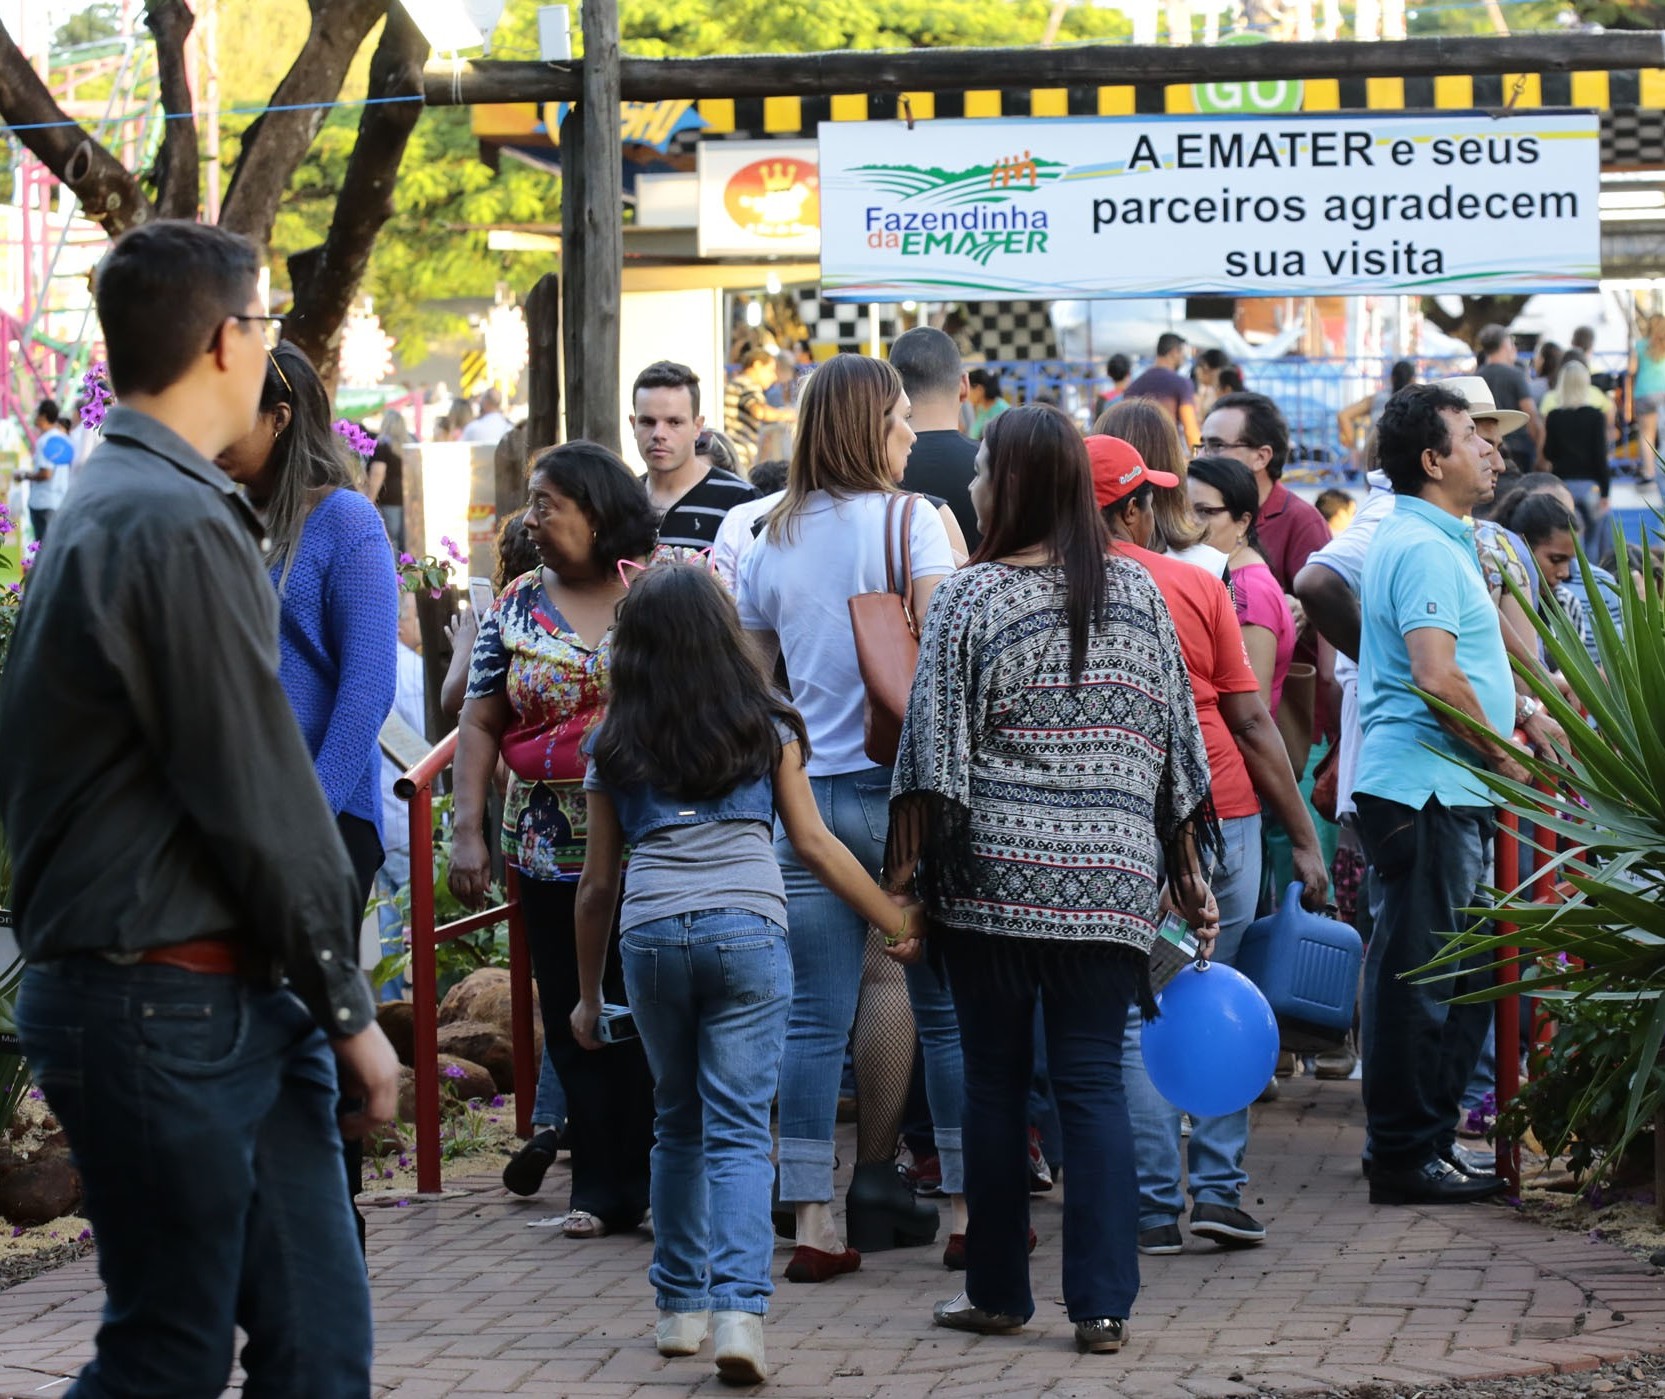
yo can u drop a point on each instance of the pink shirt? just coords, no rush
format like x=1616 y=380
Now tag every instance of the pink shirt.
x=1259 y=602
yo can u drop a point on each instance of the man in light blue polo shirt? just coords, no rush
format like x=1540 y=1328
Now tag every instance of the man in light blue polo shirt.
x=1428 y=622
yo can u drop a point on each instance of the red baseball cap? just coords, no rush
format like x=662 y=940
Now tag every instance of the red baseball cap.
x=1119 y=470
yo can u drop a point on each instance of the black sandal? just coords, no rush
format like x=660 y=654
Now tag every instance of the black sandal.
x=526 y=1169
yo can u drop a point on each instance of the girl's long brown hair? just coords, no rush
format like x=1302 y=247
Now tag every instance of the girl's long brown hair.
x=1040 y=495
x=1145 y=427
x=839 y=447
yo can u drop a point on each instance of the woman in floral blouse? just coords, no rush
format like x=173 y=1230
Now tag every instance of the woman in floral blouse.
x=536 y=688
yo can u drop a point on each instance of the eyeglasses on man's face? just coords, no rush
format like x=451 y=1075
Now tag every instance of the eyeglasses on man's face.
x=1213 y=446
x=271 y=327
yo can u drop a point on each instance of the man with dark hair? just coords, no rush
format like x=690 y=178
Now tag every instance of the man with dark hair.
x=1164 y=384
x=1119 y=368
x=746 y=405
x=53 y=458
x=1500 y=368
x=1428 y=625
x=693 y=496
x=187 y=909
x=1249 y=428
x=944 y=459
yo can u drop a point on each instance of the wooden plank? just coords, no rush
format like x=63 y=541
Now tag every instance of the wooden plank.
x=1049 y=102
x=718 y=113
x=983 y=102
x=543 y=369
x=1530 y=88
x=961 y=70
x=1653 y=88
x=849 y=106
x=782 y=114
x=1385 y=94
x=573 y=253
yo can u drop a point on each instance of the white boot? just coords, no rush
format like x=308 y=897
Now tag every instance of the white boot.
x=680 y=1333
x=739 y=1346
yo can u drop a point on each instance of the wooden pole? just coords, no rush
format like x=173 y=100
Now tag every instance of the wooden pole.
x=958 y=70
x=573 y=250
x=600 y=228
x=543 y=368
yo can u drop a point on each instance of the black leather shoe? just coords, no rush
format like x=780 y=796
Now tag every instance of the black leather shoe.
x=1434 y=1182
x=1472 y=1163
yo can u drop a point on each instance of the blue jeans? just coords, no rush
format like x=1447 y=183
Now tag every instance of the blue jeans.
x=550 y=1108
x=201 y=1112
x=1085 y=993
x=710 y=992
x=1216 y=1146
x=390 y=922
x=826 y=939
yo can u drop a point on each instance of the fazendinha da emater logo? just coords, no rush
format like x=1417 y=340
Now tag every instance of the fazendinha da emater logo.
x=975 y=212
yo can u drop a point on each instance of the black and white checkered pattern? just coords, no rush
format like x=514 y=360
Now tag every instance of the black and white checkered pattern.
x=1011 y=330
x=1632 y=138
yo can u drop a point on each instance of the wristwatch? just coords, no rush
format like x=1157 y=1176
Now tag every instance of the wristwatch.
x=1527 y=707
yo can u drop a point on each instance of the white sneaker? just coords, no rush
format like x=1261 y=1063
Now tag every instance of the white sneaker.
x=739 y=1346
x=680 y=1333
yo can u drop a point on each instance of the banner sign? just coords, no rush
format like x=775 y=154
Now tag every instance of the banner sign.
x=1296 y=205
x=758 y=197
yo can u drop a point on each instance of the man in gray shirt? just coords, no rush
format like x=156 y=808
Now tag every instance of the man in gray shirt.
x=184 y=902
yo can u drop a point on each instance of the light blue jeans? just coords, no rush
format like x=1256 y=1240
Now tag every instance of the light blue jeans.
x=827 y=938
x=1216 y=1147
x=710 y=992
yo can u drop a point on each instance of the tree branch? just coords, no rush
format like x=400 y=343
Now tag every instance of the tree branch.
x=178 y=178
x=326 y=278
x=277 y=142
x=108 y=194
x=1477 y=313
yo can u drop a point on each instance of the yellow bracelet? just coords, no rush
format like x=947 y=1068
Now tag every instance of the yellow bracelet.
x=901 y=936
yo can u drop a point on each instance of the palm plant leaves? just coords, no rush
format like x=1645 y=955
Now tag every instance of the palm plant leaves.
x=1605 y=807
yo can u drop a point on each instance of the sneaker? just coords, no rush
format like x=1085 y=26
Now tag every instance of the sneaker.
x=1101 y=1336
x=1269 y=1094
x=1227 y=1225
x=680 y=1333
x=1336 y=1063
x=924 y=1177
x=738 y=1341
x=1286 y=1063
x=1163 y=1238
x=1040 y=1174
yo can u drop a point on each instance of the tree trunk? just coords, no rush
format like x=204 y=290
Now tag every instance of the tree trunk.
x=325 y=279
x=108 y=193
x=277 y=142
x=1478 y=312
x=543 y=370
x=178 y=180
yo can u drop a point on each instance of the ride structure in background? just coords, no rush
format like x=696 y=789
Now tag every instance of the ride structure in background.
x=47 y=247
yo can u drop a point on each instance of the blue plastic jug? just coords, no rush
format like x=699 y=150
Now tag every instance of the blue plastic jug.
x=1307 y=967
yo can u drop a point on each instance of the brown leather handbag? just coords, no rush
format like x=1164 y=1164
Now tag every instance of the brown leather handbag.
x=887 y=639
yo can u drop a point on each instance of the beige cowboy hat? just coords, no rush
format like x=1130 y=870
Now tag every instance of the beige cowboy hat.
x=1481 y=404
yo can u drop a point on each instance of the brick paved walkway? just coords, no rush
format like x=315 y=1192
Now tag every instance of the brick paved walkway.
x=470 y=1301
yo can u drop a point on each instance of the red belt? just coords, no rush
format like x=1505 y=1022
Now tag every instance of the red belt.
x=210 y=956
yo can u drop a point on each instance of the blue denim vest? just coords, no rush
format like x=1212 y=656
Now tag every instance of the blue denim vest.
x=642 y=810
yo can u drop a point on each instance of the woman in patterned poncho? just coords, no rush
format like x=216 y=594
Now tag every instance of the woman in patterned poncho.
x=1050 y=763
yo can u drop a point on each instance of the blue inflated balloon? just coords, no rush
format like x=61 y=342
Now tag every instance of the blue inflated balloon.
x=1215 y=1046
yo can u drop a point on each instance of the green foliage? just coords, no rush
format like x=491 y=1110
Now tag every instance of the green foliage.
x=1603 y=949
x=89 y=26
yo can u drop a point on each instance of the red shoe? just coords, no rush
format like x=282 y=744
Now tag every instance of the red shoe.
x=953 y=1257
x=813 y=1265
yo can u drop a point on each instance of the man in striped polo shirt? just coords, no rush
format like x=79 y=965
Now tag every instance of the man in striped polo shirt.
x=691 y=496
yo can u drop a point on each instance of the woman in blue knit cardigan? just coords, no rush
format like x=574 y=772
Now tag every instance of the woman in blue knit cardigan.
x=333 y=569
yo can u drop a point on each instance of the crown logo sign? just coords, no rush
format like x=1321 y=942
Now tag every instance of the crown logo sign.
x=779 y=177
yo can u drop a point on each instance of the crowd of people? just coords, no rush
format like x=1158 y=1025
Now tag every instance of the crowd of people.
x=739 y=873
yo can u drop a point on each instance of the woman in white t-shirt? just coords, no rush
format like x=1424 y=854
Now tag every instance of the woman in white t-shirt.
x=824 y=543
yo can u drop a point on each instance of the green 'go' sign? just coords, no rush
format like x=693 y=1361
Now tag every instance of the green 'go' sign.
x=1273 y=95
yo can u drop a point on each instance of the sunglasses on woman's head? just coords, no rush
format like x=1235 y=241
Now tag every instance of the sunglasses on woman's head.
x=702 y=445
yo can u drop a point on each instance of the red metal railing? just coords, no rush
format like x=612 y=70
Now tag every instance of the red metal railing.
x=1508 y=1009
x=416 y=787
